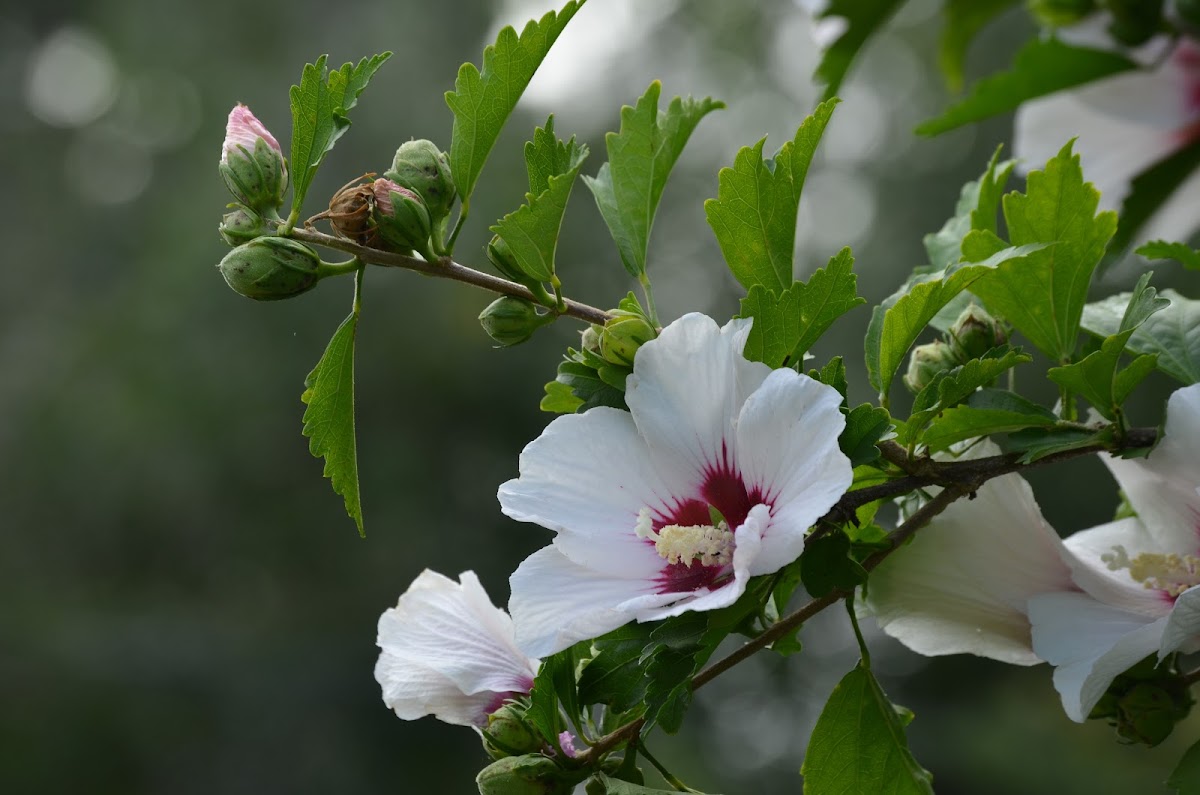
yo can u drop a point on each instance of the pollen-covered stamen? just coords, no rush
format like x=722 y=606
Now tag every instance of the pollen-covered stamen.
x=712 y=545
x=1170 y=573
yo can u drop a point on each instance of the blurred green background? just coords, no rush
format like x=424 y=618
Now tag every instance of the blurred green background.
x=184 y=608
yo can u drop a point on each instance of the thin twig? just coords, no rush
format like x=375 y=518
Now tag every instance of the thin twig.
x=445 y=269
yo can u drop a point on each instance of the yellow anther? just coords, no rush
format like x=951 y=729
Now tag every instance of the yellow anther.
x=1168 y=572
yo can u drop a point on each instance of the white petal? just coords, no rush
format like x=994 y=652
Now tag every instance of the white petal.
x=586 y=477
x=1176 y=219
x=1183 y=624
x=556 y=603
x=1162 y=487
x=444 y=642
x=1089 y=644
x=1115 y=144
x=787 y=447
x=687 y=388
x=1115 y=588
x=963 y=582
x=747 y=549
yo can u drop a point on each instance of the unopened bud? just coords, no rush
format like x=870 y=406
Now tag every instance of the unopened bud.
x=621 y=338
x=511 y=321
x=1148 y=713
x=509 y=734
x=1059 y=13
x=926 y=361
x=350 y=213
x=525 y=775
x=252 y=162
x=975 y=333
x=502 y=259
x=424 y=169
x=589 y=339
x=241 y=226
x=271 y=268
x=401 y=217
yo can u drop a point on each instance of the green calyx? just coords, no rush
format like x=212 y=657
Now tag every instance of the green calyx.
x=975 y=333
x=511 y=321
x=526 y=775
x=258 y=178
x=509 y=734
x=926 y=361
x=241 y=226
x=424 y=169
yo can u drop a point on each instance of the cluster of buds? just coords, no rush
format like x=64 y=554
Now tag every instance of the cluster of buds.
x=973 y=334
x=618 y=340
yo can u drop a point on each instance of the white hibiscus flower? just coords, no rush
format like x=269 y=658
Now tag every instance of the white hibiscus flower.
x=990 y=577
x=713 y=476
x=1124 y=125
x=447 y=651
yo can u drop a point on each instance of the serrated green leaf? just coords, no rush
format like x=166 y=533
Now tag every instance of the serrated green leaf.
x=1043 y=66
x=483 y=100
x=964 y=19
x=865 y=426
x=319 y=107
x=1150 y=190
x=1180 y=252
x=977 y=208
x=858 y=744
x=786 y=325
x=754 y=214
x=560 y=399
x=1043 y=294
x=985 y=412
x=862 y=19
x=554 y=686
x=899 y=320
x=1037 y=443
x=1185 y=778
x=826 y=566
x=614 y=675
x=640 y=157
x=833 y=374
x=531 y=232
x=329 y=416
x=1172 y=333
x=579 y=374
x=950 y=388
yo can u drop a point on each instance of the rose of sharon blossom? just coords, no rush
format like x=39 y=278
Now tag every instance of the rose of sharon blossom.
x=713 y=476
x=447 y=651
x=990 y=577
x=1125 y=124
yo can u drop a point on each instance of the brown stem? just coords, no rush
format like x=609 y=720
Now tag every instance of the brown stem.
x=445 y=269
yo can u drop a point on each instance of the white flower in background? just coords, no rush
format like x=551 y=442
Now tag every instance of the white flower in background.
x=990 y=577
x=713 y=476
x=447 y=651
x=1125 y=124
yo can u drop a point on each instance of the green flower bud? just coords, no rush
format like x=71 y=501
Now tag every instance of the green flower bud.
x=589 y=339
x=1148 y=714
x=524 y=775
x=508 y=733
x=622 y=336
x=252 y=162
x=1134 y=21
x=502 y=259
x=241 y=226
x=1059 y=13
x=926 y=361
x=424 y=169
x=271 y=268
x=401 y=218
x=511 y=321
x=975 y=333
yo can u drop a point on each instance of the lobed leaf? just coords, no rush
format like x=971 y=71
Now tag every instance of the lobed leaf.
x=640 y=158
x=964 y=20
x=1043 y=66
x=858 y=744
x=977 y=208
x=1173 y=333
x=319 y=107
x=866 y=425
x=754 y=214
x=787 y=324
x=329 y=416
x=985 y=412
x=950 y=388
x=483 y=100
x=1180 y=252
x=1043 y=294
x=531 y=232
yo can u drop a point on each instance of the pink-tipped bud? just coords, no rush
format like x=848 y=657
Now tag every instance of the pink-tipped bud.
x=244 y=129
x=401 y=217
x=252 y=162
